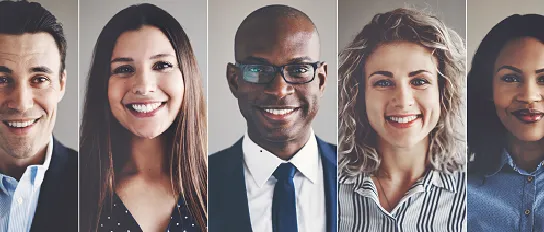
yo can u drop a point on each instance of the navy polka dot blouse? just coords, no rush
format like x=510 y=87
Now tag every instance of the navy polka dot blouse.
x=121 y=220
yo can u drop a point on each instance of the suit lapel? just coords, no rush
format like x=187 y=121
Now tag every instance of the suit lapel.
x=329 y=162
x=235 y=193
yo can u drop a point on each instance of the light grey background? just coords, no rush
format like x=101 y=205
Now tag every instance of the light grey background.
x=226 y=124
x=95 y=14
x=482 y=15
x=66 y=125
x=353 y=15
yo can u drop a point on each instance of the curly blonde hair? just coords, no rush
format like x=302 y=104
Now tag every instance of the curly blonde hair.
x=357 y=139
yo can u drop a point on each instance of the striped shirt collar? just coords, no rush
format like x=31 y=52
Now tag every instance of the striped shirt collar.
x=508 y=161
x=41 y=167
x=364 y=184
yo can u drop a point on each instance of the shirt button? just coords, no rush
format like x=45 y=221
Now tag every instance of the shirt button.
x=527 y=212
x=20 y=200
x=530 y=178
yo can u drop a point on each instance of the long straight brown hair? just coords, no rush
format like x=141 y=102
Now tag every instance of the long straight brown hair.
x=104 y=143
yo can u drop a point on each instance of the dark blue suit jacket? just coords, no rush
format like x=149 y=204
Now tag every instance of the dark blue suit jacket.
x=227 y=198
x=57 y=208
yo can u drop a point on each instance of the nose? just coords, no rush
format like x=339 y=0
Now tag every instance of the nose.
x=403 y=96
x=530 y=92
x=21 y=98
x=144 y=83
x=278 y=87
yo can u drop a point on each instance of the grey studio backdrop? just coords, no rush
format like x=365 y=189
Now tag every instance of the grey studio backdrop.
x=226 y=124
x=482 y=15
x=66 y=125
x=94 y=14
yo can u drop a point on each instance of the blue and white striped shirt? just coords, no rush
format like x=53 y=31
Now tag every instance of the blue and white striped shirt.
x=436 y=202
x=18 y=200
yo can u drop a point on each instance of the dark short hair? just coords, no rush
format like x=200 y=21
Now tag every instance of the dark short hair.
x=17 y=18
x=486 y=134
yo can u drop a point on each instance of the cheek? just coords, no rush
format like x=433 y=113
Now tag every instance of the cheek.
x=116 y=90
x=375 y=103
x=502 y=96
x=172 y=85
x=47 y=99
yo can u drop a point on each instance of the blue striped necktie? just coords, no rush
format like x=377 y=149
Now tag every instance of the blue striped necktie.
x=284 y=205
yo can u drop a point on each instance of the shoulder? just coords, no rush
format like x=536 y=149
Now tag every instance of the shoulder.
x=221 y=160
x=324 y=145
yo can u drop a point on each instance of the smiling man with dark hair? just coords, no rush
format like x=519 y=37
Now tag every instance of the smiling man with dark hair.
x=38 y=175
x=279 y=177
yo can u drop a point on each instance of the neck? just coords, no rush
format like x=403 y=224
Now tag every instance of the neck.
x=15 y=167
x=405 y=164
x=147 y=157
x=284 y=150
x=526 y=155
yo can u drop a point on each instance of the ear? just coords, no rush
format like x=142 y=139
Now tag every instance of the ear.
x=322 y=76
x=232 y=78
x=62 y=85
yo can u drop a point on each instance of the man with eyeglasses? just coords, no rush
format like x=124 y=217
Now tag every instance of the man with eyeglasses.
x=279 y=177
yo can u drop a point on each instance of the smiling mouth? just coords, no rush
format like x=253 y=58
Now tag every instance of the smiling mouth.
x=403 y=119
x=20 y=124
x=278 y=113
x=144 y=108
x=528 y=115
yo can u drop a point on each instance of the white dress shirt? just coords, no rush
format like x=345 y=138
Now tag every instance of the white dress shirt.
x=260 y=164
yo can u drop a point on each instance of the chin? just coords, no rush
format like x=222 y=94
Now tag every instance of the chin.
x=147 y=134
x=529 y=137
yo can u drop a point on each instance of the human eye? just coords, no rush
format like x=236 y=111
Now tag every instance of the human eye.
x=510 y=78
x=39 y=79
x=256 y=68
x=162 y=65
x=383 y=83
x=541 y=80
x=4 y=80
x=419 y=81
x=123 y=69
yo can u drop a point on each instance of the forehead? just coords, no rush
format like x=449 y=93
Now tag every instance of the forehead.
x=523 y=53
x=278 y=40
x=29 y=50
x=400 y=57
x=144 y=42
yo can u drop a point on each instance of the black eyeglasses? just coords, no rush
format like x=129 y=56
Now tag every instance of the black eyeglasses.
x=300 y=73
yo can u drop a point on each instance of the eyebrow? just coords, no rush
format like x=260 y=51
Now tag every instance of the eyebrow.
x=509 y=68
x=291 y=61
x=390 y=74
x=122 y=59
x=41 y=69
x=5 y=69
x=128 y=59
x=160 y=56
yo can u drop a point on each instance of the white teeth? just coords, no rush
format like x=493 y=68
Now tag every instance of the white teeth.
x=20 y=124
x=403 y=120
x=145 y=108
x=279 y=111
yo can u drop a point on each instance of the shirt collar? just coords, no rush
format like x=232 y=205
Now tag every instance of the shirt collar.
x=262 y=163
x=364 y=184
x=507 y=160
x=44 y=166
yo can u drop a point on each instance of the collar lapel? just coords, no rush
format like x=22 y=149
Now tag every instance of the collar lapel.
x=329 y=162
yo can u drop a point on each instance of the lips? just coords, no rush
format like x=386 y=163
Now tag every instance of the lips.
x=144 y=109
x=278 y=113
x=403 y=121
x=20 y=126
x=528 y=115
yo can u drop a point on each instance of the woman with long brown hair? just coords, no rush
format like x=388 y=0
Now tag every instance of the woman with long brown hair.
x=143 y=163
